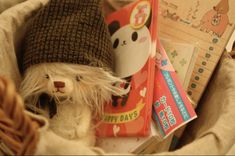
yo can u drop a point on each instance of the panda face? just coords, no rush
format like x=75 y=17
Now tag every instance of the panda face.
x=131 y=50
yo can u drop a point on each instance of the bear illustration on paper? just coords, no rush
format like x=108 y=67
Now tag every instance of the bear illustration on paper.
x=216 y=20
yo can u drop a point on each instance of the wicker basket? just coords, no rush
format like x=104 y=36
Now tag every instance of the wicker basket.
x=18 y=133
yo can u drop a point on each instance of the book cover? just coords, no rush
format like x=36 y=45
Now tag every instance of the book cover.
x=133 y=33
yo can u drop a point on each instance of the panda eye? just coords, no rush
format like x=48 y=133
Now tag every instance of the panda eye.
x=116 y=43
x=78 y=78
x=47 y=76
x=134 y=36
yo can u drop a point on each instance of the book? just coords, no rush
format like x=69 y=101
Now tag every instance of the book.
x=133 y=33
x=207 y=23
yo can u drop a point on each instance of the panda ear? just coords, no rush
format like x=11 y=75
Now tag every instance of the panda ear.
x=113 y=27
x=149 y=21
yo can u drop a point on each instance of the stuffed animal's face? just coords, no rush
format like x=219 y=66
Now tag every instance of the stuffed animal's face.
x=60 y=86
x=70 y=84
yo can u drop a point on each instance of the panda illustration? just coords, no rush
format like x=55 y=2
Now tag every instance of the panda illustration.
x=131 y=52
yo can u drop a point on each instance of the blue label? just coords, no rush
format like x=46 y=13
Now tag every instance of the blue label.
x=176 y=96
x=158 y=122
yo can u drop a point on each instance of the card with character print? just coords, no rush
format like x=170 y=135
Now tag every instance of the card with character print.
x=171 y=109
x=133 y=34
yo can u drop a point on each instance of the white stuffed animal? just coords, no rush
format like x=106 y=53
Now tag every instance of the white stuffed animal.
x=67 y=64
x=69 y=96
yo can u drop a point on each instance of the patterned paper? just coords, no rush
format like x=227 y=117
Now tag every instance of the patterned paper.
x=208 y=23
x=182 y=57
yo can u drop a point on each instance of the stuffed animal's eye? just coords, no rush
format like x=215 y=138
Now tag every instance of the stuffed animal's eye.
x=134 y=36
x=116 y=43
x=78 y=77
x=47 y=76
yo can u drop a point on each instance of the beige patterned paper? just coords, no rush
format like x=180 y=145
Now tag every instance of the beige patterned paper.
x=207 y=23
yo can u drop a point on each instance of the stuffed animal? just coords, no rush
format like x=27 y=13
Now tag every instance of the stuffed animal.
x=67 y=65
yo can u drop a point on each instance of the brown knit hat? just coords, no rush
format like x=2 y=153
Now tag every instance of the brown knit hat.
x=70 y=31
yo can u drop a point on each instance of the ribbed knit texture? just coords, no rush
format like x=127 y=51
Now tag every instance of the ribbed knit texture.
x=70 y=31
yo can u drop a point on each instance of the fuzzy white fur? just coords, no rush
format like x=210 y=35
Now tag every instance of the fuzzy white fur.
x=81 y=99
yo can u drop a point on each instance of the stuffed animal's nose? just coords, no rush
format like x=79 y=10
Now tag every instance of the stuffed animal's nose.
x=59 y=84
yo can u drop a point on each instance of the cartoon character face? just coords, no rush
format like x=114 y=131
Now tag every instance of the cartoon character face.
x=131 y=49
x=216 y=20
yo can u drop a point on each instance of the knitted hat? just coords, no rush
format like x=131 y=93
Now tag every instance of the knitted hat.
x=69 y=31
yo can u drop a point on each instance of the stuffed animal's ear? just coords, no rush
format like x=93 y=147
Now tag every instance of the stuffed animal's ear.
x=113 y=27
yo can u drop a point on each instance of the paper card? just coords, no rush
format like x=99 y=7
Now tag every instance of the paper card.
x=182 y=56
x=172 y=109
x=133 y=33
x=209 y=24
x=120 y=131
